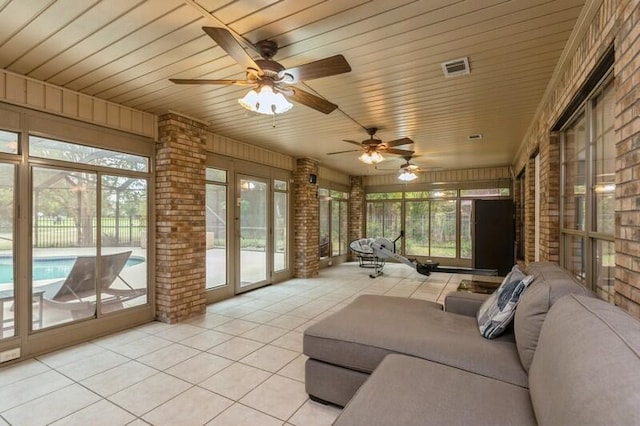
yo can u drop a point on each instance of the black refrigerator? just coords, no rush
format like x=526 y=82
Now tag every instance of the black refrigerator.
x=493 y=235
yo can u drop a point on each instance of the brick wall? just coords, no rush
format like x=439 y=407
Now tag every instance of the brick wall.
x=627 y=125
x=306 y=225
x=617 y=22
x=529 y=210
x=180 y=219
x=356 y=210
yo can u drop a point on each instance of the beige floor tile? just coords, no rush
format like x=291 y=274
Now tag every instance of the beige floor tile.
x=292 y=341
x=200 y=367
x=117 y=339
x=258 y=304
x=168 y=356
x=68 y=355
x=196 y=406
x=236 y=348
x=235 y=381
x=90 y=366
x=236 y=327
x=295 y=369
x=154 y=327
x=270 y=358
x=281 y=308
x=240 y=415
x=277 y=396
x=51 y=407
x=22 y=370
x=237 y=311
x=206 y=340
x=118 y=378
x=31 y=388
x=288 y=321
x=314 y=414
x=148 y=394
x=102 y=413
x=261 y=316
x=307 y=312
x=179 y=332
x=264 y=333
x=210 y=320
x=138 y=348
x=138 y=422
x=304 y=326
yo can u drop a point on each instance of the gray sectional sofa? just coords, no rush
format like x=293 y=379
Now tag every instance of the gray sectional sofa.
x=571 y=362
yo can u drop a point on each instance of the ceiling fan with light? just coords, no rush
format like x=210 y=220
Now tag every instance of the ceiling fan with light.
x=374 y=147
x=408 y=170
x=270 y=80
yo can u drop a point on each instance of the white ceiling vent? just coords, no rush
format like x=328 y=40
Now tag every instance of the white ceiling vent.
x=456 y=67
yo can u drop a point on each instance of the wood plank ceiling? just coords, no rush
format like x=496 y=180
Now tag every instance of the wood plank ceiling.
x=125 y=50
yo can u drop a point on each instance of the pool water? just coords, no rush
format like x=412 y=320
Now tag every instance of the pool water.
x=46 y=268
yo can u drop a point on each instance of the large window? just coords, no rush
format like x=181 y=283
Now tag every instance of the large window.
x=216 y=224
x=588 y=193
x=437 y=223
x=89 y=232
x=280 y=225
x=7 y=258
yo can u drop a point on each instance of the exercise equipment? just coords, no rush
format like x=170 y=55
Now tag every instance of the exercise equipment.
x=373 y=253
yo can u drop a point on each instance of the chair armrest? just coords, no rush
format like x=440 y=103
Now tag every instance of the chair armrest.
x=464 y=303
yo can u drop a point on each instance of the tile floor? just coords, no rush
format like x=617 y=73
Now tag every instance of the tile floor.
x=240 y=364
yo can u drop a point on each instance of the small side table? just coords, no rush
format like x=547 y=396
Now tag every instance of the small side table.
x=475 y=286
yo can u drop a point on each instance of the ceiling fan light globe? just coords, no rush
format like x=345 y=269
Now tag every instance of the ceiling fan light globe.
x=250 y=101
x=407 y=176
x=365 y=158
x=265 y=101
x=376 y=157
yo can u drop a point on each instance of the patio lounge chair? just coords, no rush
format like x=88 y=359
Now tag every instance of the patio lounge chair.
x=77 y=292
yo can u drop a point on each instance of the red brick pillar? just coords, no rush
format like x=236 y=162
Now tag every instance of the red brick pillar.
x=306 y=220
x=356 y=210
x=530 y=210
x=550 y=199
x=180 y=219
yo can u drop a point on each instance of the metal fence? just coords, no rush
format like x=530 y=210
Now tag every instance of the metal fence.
x=51 y=232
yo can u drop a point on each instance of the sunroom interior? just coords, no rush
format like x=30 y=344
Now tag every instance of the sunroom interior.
x=129 y=198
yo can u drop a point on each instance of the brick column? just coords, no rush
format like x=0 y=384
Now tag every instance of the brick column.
x=627 y=133
x=356 y=210
x=550 y=198
x=180 y=219
x=306 y=220
x=530 y=210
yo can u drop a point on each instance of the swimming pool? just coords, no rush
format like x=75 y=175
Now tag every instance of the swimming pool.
x=46 y=268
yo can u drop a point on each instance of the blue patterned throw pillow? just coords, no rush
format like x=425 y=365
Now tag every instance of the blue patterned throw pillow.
x=498 y=310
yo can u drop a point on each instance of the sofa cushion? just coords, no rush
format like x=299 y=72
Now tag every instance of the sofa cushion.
x=497 y=311
x=410 y=391
x=586 y=369
x=550 y=283
x=360 y=335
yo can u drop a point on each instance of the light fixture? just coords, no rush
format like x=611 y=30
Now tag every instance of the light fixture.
x=265 y=101
x=407 y=176
x=373 y=157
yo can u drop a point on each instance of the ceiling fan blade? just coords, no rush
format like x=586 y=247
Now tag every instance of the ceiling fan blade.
x=229 y=44
x=398 y=142
x=397 y=151
x=352 y=142
x=312 y=101
x=342 y=152
x=205 y=81
x=322 y=68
